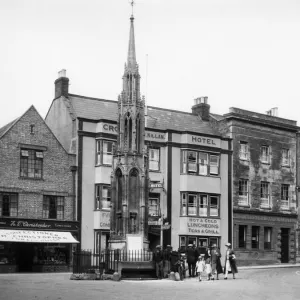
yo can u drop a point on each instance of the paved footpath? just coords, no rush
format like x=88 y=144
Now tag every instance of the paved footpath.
x=271 y=283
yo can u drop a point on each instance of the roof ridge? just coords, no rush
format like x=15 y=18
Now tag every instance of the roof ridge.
x=92 y=98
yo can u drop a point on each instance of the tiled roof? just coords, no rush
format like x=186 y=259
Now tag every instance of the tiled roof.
x=158 y=118
x=5 y=128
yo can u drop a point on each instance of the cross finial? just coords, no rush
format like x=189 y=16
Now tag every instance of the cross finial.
x=132 y=3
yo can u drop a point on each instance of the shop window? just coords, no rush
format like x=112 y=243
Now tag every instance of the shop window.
x=285 y=157
x=192 y=241
x=208 y=205
x=265 y=156
x=53 y=207
x=267 y=238
x=153 y=204
x=243 y=192
x=202 y=245
x=154 y=156
x=104 y=152
x=265 y=194
x=31 y=164
x=244 y=151
x=8 y=205
x=255 y=237
x=285 y=203
x=242 y=236
x=102 y=196
x=200 y=163
x=55 y=254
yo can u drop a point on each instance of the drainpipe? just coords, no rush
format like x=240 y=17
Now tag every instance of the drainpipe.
x=73 y=169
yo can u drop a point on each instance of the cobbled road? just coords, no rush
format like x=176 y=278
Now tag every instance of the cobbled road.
x=276 y=283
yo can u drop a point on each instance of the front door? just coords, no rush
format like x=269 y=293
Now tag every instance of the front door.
x=284 y=245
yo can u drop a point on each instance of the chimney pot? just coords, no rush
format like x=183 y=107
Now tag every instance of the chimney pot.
x=61 y=84
x=201 y=108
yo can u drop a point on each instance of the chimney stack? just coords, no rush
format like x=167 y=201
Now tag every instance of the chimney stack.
x=201 y=108
x=61 y=84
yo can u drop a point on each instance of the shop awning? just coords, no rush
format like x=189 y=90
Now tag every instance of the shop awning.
x=30 y=236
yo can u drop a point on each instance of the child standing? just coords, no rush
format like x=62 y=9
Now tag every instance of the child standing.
x=208 y=264
x=200 y=266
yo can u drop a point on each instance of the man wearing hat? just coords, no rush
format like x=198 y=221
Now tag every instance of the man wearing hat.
x=191 y=260
x=158 y=259
x=216 y=266
x=230 y=263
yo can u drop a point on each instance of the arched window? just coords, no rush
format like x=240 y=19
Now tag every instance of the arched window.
x=128 y=132
x=138 y=132
x=134 y=190
x=119 y=183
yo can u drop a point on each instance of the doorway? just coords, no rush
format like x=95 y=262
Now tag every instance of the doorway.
x=25 y=254
x=285 y=245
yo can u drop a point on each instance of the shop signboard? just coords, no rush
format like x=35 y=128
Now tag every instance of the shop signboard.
x=200 y=226
x=31 y=236
x=16 y=223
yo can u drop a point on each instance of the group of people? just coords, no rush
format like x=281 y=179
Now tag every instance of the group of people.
x=198 y=264
x=210 y=262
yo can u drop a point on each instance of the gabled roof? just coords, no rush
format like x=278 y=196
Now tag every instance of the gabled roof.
x=7 y=127
x=158 y=118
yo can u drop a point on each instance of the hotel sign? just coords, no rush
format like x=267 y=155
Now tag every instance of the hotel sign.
x=155 y=136
x=201 y=140
x=200 y=226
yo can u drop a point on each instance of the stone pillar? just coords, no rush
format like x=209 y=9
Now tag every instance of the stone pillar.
x=278 y=245
x=292 y=242
x=248 y=237
x=261 y=245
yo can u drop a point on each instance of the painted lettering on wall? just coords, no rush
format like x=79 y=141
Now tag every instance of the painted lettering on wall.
x=265 y=218
x=151 y=135
x=104 y=220
x=197 y=226
x=203 y=140
x=110 y=128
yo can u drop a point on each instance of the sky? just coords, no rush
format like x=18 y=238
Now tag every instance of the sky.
x=238 y=53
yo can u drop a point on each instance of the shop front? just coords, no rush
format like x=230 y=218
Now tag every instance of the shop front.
x=261 y=239
x=28 y=245
x=200 y=232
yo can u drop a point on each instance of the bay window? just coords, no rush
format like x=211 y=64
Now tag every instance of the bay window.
x=102 y=196
x=201 y=205
x=201 y=163
x=104 y=152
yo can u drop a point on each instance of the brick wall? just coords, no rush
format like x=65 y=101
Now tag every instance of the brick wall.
x=57 y=177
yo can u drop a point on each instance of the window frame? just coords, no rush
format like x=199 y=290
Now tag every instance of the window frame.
x=12 y=203
x=99 y=152
x=268 y=244
x=199 y=164
x=265 y=158
x=285 y=196
x=242 y=238
x=152 y=160
x=31 y=162
x=99 y=198
x=285 y=158
x=255 y=238
x=202 y=210
x=243 y=200
x=58 y=202
x=265 y=202
x=155 y=212
x=244 y=151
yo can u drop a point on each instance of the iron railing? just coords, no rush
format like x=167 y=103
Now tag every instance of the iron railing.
x=85 y=261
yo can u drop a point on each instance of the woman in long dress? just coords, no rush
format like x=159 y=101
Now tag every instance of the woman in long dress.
x=230 y=262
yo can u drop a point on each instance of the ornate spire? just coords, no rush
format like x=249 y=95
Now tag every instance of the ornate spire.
x=131 y=59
